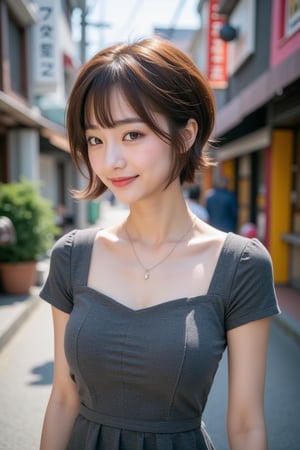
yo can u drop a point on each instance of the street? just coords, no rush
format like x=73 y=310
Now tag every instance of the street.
x=26 y=366
x=282 y=395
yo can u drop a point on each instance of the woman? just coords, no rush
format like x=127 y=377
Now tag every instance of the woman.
x=143 y=310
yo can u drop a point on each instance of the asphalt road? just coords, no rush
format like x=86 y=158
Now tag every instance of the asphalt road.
x=282 y=396
x=26 y=365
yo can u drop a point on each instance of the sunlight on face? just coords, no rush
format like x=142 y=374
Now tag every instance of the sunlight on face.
x=129 y=157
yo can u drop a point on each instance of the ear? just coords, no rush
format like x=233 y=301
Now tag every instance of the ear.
x=189 y=133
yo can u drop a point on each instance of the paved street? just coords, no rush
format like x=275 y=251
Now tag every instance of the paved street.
x=282 y=397
x=26 y=366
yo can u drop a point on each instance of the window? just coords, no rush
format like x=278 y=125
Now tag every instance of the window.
x=13 y=77
x=16 y=52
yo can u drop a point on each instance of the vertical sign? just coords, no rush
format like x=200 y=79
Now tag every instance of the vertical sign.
x=217 y=49
x=46 y=54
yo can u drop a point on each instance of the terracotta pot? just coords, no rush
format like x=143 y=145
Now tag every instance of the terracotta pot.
x=17 y=278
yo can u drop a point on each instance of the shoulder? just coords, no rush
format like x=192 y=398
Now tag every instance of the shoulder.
x=73 y=237
x=248 y=250
x=65 y=239
x=251 y=259
x=252 y=293
x=62 y=247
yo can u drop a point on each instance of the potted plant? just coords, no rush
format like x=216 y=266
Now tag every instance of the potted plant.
x=33 y=219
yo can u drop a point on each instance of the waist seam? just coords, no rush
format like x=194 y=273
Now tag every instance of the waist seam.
x=146 y=426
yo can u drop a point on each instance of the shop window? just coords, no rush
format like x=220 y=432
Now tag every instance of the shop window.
x=13 y=68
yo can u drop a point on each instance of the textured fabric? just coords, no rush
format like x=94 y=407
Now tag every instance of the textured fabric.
x=144 y=376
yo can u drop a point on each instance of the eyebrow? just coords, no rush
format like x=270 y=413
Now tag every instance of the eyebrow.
x=128 y=120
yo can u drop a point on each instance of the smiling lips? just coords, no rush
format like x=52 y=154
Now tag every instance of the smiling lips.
x=122 y=181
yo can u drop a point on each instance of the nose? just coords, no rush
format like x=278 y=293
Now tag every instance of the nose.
x=115 y=156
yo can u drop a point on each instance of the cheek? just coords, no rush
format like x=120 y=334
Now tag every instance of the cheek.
x=156 y=154
x=95 y=160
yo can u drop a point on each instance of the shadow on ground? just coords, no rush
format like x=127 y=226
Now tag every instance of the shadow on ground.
x=43 y=374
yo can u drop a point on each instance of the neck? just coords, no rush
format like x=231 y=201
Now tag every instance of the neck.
x=179 y=239
x=159 y=226
x=159 y=218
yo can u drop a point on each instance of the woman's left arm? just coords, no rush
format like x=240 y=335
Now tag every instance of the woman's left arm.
x=247 y=356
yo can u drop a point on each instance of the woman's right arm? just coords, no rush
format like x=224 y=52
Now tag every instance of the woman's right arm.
x=63 y=403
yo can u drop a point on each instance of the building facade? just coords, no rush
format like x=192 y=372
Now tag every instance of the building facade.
x=38 y=63
x=258 y=120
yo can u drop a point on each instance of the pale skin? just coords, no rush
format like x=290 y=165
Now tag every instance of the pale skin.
x=158 y=218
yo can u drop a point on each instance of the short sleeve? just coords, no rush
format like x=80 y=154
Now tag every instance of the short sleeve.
x=57 y=289
x=252 y=294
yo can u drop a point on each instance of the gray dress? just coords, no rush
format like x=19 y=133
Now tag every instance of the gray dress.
x=144 y=376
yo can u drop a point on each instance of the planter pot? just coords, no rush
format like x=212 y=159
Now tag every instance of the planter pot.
x=17 y=278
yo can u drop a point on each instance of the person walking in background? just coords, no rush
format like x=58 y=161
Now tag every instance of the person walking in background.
x=193 y=202
x=221 y=205
x=144 y=309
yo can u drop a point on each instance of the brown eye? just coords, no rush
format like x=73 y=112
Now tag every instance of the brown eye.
x=93 y=141
x=132 y=136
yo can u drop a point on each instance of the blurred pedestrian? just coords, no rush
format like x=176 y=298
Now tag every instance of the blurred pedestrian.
x=221 y=205
x=193 y=202
x=143 y=310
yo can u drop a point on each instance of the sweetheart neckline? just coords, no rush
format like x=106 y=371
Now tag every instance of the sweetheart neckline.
x=146 y=308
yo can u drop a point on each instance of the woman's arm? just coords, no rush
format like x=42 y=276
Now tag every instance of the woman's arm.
x=247 y=355
x=63 y=403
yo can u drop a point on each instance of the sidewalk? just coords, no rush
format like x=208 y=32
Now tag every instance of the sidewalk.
x=15 y=309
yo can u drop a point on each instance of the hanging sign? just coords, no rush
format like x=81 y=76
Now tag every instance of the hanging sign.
x=217 y=49
x=46 y=63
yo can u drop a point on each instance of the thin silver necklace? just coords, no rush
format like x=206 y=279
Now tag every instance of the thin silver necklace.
x=147 y=270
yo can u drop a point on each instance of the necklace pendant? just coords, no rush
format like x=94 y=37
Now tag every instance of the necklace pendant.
x=147 y=275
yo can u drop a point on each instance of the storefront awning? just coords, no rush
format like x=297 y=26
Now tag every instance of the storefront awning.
x=15 y=113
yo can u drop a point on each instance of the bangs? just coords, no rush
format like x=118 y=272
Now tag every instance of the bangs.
x=98 y=101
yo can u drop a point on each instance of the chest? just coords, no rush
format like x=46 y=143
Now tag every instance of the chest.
x=111 y=347
x=186 y=273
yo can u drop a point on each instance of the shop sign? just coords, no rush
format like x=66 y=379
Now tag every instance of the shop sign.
x=217 y=49
x=46 y=54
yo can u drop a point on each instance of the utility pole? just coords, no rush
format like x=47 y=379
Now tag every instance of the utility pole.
x=83 y=42
x=84 y=24
x=81 y=208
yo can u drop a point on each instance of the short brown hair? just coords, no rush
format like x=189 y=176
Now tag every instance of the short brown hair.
x=154 y=76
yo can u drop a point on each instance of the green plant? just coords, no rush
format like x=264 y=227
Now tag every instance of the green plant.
x=33 y=218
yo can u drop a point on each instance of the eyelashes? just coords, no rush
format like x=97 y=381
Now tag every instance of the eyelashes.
x=132 y=136
x=128 y=137
x=93 y=141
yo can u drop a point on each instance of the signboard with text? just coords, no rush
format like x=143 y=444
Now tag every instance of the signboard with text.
x=217 y=49
x=46 y=54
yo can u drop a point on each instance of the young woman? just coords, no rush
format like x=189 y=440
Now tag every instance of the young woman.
x=143 y=310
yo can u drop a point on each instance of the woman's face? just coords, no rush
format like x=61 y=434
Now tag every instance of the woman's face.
x=129 y=158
